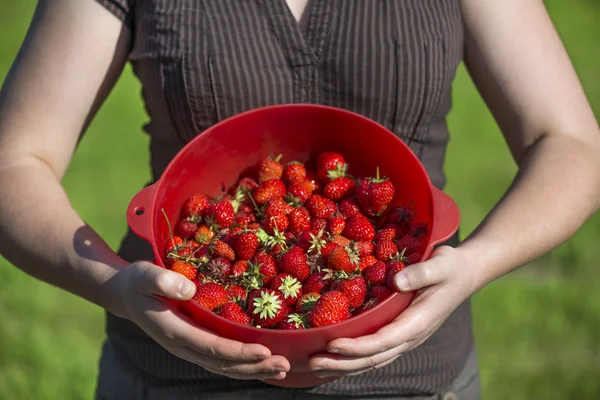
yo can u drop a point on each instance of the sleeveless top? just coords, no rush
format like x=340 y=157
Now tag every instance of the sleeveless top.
x=200 y=61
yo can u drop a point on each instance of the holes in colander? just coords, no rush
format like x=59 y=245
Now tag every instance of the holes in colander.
x=139 y=210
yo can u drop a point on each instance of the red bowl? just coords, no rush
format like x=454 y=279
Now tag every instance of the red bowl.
x=231 y=149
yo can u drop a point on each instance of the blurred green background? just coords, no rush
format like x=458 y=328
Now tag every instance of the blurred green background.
x=537 y=330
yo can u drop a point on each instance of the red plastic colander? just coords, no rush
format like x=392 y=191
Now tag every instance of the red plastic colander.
x=231 y=149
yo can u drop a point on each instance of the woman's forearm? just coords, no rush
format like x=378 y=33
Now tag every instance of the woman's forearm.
x=42 y=235
x=556 y=190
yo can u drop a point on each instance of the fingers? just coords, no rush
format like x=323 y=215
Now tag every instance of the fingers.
x=335 y=365
x=423 y=274
x=154 y=280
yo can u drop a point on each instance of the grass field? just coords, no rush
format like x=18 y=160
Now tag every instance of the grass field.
x=537 y=329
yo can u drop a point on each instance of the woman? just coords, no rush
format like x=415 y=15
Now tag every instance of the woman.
x=200 y=62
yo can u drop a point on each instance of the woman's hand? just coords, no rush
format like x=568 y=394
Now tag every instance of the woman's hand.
x=140 y=285
x=445 y=281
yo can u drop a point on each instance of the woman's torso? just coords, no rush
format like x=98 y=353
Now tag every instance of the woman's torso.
x=202 y=61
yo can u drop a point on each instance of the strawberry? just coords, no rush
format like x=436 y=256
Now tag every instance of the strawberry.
x=330 y=166
x=300 y=191
x=419 y=230
x=366 y=262
x=317 y=225
x=186 y=229
x=235 y=292
x=276 y=223
x=328 y=249
x=385 y=250
x=355 y=288
x=336 y=224
x=376 y=274
x=266 y=267
x=359 y=228
x=218 y=248
x=269 y=168
x=369 y=304
x=374 y=195
x=246 y=184
x=343 y=259
x=266 y=307
x=312 y=182
x=387 y=233
x=364 y=248
x=220 y=214
x=402 y=217
x=194 y=208
x=320 y=207
x=244 y=218
x=306 y=302
x=339 y=188
x=245 y=245
x=393 y=267
x=299 y=221
x=217 y=268
x=173 y=244
x=318 y=282
x=204 y=234
x=349 y=207
x=210 y=295
x=413 y=258
x=234 y=312
x=288 y=286
x=294 y=173
x=294 y=262
x=184 y=268
x=269 y=190
x=239 y=267
x=292 y=322
x=340 y=240
x=277 y=206
x=380 y=293
x=412 y=244
x=331 y=308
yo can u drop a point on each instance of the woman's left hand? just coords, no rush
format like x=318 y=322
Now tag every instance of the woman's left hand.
x=443 y=283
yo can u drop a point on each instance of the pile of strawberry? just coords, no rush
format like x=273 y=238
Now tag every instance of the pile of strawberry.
x=295 y=249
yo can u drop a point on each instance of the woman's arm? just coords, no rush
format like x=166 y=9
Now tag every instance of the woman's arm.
x=72 y=56
x=521 y=69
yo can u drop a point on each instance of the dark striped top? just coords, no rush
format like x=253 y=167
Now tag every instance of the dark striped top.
x=202 y=61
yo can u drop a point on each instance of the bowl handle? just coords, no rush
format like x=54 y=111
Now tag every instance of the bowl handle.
x=138 y=212
x=446 y=219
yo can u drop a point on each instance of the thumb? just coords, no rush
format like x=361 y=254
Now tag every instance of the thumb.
x=155 y=280
x=419 y=275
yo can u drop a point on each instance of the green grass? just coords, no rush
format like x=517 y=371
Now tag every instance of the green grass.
x=536 y=329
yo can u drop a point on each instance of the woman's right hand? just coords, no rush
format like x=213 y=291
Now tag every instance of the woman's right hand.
x=141 y=286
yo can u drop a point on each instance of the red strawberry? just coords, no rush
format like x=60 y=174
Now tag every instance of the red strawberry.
x=412 y=244
x=275 y=223
x=266 y=307
x=393 y=267
x=294 y=173
x=269 y=190
x=235 y=292
x=220 y=214
x=355 y=288
x=266 y=267
x=239 y=268
x=366 y=262
x=320 y=207
x=317 y=225
x=173 y=244
x=289 y=287
x=219 y=248
x=340 y=240
x=306 y=302
x=300 y=191
x=194 y=207
x=372 y=302
x=312 y=182
x=299 y=221
x=349 y=207
x=277 y=206
x=269 y=168
x=295 y=263
x=374 y=195
x=413 y=259
x=186 y=229
x=328 y=249
x=204 y=234
x=364 y=248
x=245 y=245
x=343 y=259
x=210 y=295
x=359 y=228
x=244 y=218
x=331 y=308
x=318 y=282
x=218 y=268
x=376 y=274
x=380 y=293
x=185 y=269
x=235 y=313
x=402 y=217
x=330 y=166
x=385 y=250
x=246 y=184
x=336 y=224
x=339 y=188
x=387 y=233
x=292 y=322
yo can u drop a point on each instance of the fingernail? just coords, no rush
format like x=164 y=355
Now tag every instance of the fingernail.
x=402 y=281
x=335 y=351
x=317 y=368
x=186 y=288
x=279 y=369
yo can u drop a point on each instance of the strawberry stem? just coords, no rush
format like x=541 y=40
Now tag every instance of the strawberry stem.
x=278 y=157
x=169 y=227
x=258 y=211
